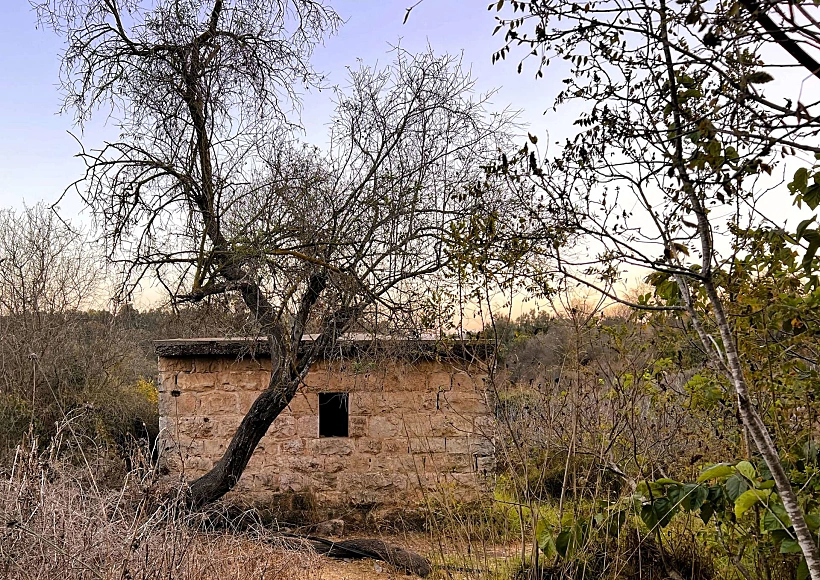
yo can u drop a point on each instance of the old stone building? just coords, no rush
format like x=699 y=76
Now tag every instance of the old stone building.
x=374 y=423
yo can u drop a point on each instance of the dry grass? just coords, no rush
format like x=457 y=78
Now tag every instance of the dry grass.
x=57 y=523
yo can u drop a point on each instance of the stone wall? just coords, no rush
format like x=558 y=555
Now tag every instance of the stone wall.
x=414 y=426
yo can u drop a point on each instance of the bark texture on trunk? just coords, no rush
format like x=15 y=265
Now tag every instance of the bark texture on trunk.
x=227 y=471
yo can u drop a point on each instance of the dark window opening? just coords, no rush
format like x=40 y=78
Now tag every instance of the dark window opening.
x=332 y=414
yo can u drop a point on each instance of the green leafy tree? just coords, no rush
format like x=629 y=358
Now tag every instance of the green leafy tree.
x=675 y=135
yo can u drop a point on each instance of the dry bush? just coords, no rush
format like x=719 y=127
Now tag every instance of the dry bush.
x=57 y=523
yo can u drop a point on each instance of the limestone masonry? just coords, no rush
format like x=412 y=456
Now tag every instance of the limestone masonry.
x=366 y=427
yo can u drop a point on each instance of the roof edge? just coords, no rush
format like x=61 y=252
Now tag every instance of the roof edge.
x=346 y=347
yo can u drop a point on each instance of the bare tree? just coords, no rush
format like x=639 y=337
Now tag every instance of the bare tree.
x=207 y=190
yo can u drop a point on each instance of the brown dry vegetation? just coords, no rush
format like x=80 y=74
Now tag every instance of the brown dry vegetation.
x=59 y=523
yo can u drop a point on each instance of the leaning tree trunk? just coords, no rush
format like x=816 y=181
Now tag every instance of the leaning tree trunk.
x=226 y=472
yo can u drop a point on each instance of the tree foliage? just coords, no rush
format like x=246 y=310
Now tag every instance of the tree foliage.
x=676 y=141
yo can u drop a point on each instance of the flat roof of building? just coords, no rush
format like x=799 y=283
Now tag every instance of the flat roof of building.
x=426 y=345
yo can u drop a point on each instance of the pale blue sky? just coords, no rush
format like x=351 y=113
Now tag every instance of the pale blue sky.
x=37 y=153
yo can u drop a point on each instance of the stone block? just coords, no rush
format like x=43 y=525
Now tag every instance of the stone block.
x=371 y=403
x=293 y=446
x=426 y=444
x=226 y=426
x=164 y=406
x=414 y=402
x=403 y=380
x=474 y=445
x=219 y=403
x=215 y=449
x=183 y=404
x=357 y=427
x=485 y=465
x=331 y=446
x=257 y=462
x=439 y=382
x=307 y=427
x=323 y=481
x=293 y=482
x=318 y=382
x=465 y=403
x=269 y=481
x=283 y=427
x=467 y=481
x=399 y=463
x=482 y=446
x=462 y=381
x=304 y=404
x=398 y=445
x=195 y=427
x=383 y=427
x=252 y=381
x=244 y=400
x=209 y=364
x=371 y=487
x=304 y=464
x=485 y=424
x=335 y=463
x=167 y=382
x=444 y=462
x=193 y=466
x=183 y=364
x=197 y=382
x=457 y=444
x=366 y=445
x=247 y=363
x=417 y=424
x=450 y=424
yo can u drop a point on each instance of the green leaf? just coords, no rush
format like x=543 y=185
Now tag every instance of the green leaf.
x=749 y=498
x=801 y=227
x=706 y=512
x=717 y=471
x=746 y=469
x=570 y=538
x=562 y=542
x=813 y=237
x=667 y=481
x=812 y=196
x=695 y=496
x=658 y=513
x=759 y=77
x=649 y=516
x=615 y=522
x=800 y=181
x=776 y=518
x=802 y=570
x=543 y=535
x=735 y=486
x=789 y=546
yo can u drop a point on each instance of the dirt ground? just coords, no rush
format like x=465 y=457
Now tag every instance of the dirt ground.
x=452 y=562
